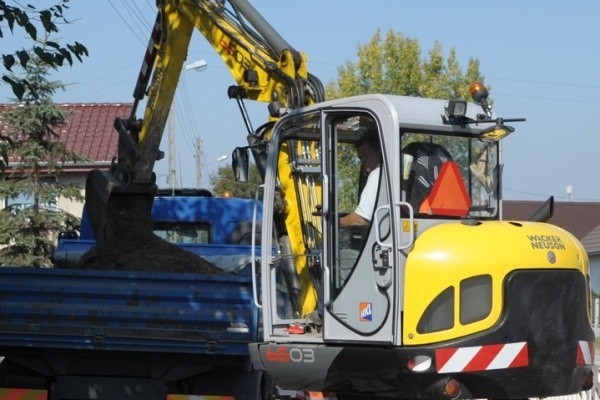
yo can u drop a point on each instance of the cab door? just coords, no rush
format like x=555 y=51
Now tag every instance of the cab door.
x=358 y=301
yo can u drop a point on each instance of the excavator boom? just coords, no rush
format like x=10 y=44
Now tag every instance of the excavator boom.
x=264 y=67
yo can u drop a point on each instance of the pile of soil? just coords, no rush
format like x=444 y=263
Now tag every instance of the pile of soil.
x=125 y=241
x=146 y=253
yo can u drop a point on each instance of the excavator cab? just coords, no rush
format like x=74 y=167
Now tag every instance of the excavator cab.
x=448 y=177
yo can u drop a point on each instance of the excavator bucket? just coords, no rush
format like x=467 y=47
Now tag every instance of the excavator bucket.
x=101 y=192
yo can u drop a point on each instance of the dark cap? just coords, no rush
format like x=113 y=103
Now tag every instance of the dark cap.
x=371 y=136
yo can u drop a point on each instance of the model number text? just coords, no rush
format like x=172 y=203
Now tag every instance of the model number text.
x=290 y=354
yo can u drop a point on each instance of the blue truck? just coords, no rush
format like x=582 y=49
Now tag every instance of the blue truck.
x=73 y=333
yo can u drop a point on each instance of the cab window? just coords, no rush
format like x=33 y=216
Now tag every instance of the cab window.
x=449 y=176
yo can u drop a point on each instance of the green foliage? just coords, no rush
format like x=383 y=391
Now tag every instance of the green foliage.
x=393 y=65
x=348 y=171
x=224 y=181
x=29 y=235
x=30 y=141
x=50 y=53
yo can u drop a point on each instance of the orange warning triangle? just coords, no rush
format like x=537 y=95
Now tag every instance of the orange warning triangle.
x=448 y=195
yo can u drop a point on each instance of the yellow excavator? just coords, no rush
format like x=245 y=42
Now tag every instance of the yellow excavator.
x=435 y=296
x=266 y=69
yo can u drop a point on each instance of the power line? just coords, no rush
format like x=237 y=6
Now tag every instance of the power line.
x=107 y=75
x=136 y=17
x=150 y=6
x=545 y=196
x=126 y=23
x=495 y=94
x=548 y=83
x=192 y=128
x=183 y=125
x=105 y=88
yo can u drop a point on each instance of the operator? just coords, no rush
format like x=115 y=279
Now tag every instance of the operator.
x=369 y=153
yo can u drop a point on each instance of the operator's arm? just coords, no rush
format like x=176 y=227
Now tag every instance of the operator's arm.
x=364 y=211
x=352 y=219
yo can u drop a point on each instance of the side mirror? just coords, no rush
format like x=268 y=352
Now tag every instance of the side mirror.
x=240 y=164
x=68 y=235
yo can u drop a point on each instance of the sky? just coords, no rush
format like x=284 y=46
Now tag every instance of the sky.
x=540 y=59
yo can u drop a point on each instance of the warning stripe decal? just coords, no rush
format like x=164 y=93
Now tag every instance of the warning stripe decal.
x=481 y=358
x=197 y=397
x=23 y=394
x=585 y=353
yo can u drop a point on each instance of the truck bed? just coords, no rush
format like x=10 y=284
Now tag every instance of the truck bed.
x=126 y=311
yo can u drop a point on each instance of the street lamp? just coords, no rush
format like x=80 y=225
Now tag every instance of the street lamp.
x=222 y=158
x=202 y=166
x=197 y=66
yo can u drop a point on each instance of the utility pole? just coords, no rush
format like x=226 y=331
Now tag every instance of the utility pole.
x=199 y=65
x=198 y=162
x=172 y=177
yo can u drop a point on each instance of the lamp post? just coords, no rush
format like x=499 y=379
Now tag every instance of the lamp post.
x=202 y=166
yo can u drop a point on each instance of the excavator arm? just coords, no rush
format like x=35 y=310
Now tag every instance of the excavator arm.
x=265 y=68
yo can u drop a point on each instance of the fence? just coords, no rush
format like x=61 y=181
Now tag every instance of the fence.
x=596 y=316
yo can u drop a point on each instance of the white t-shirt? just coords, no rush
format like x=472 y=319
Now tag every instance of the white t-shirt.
x=366 y=204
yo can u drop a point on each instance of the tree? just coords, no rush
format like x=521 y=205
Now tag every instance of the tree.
x=30 y=143
x=393 y=65
x=223 y=182
x=30 y=20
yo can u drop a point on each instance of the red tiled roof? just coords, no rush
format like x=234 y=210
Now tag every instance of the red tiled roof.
x=89 y=131
x=591 y=242
x=582 y=219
